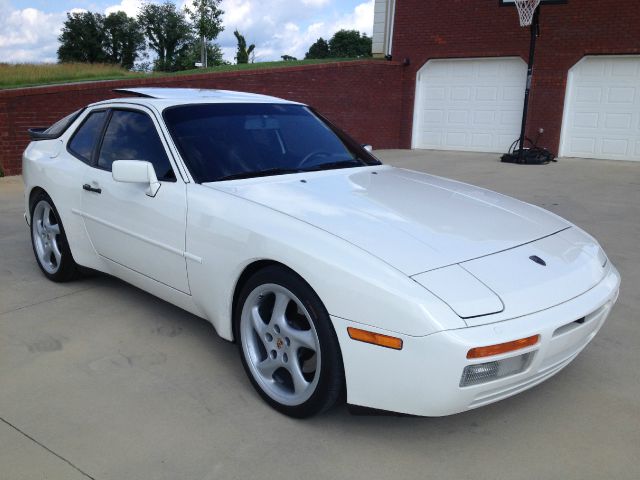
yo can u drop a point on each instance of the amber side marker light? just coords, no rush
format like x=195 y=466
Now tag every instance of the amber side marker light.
x=491 y=350
x=375 y=338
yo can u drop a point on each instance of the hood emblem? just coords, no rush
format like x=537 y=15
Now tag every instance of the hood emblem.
x=538 y=260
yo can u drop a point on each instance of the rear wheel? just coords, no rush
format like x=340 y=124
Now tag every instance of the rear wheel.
x=49 y=241
x=287 y=343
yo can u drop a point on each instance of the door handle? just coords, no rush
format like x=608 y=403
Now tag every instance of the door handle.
x=89 y=188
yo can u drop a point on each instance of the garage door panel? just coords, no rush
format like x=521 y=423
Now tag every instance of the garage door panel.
x=480 y=101
x=625 y=67
x=460 y=93
x=484 y=94
x=584 y=145
x=458 y=117
x=509 y=118
x=618 y=120
x=622 y=95
x=602 y=109
x=481 y=141
x=433 y=116
x=500 y=140
x=615 y=146
x=592 y=69
x=589 y=95
x=484 y=117
x=512 y=94
x=436 y=93
x=585 y=120
x=433 y=138
x=456 y=139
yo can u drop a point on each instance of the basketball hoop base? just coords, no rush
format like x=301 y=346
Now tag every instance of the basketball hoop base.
x=529 y=156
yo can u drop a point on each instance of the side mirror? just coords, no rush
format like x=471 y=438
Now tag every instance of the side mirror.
x=136 y=171
x=368 y=148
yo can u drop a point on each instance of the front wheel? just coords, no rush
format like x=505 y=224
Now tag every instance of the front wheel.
x=287 y=343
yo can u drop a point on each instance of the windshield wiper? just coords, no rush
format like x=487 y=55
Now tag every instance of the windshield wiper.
x=260 y=173
x=338 y=164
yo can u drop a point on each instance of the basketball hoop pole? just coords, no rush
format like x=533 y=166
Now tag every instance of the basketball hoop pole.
x=535 y=32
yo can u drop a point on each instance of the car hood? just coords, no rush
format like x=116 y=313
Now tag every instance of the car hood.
x=413 y=221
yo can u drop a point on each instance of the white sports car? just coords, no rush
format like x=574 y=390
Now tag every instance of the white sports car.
x=338 y=277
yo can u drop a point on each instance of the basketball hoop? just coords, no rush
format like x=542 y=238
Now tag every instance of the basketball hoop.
x=526 y=9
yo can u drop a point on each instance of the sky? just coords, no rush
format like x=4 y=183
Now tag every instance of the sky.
x=29 y=28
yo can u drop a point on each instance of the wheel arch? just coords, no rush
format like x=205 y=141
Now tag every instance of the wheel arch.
x=245 y=275
x=32 y=196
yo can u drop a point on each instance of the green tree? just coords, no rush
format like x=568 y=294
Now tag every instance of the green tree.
x=243 y=53
x=82 y=38
x=349 y=44
x=207 y=23
x=343 y=44
x=168 y=33
x=288 y=58
x=123 y=39
x=187 y=59
x=320 y=49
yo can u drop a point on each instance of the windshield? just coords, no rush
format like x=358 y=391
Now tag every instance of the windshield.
x=229 y=141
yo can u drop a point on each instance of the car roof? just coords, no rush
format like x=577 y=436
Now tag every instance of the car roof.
x=165 y=97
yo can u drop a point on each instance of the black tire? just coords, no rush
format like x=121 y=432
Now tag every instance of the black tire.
x=67 y=269
x=329 y=386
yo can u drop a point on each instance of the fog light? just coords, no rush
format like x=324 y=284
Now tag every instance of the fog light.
x=485 y=372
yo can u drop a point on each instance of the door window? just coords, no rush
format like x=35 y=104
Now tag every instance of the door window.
x=132 y=135
x=86 y=137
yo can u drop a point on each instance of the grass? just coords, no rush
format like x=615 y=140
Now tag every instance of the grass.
x=28 y=74
x=33 y=74
x=261 y=65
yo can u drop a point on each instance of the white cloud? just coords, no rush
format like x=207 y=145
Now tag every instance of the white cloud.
x=277 y=27
x=316 y=3
x=130 y=7
x=28 y=35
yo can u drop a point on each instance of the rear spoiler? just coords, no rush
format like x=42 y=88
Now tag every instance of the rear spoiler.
x=37 y=133
x=55 y=130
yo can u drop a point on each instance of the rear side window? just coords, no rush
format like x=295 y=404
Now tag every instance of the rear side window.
x=60 y=126
x=132 y=135
x=86 y=137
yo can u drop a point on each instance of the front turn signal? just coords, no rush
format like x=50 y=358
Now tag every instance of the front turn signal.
x=491 y=350
x=375 y=338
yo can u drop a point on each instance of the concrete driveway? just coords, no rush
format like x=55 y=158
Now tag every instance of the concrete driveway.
x=101 y=380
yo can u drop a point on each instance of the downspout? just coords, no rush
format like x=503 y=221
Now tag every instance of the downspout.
x=391 y=14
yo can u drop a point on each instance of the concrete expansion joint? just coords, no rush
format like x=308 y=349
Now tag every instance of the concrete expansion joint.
x=9 y=424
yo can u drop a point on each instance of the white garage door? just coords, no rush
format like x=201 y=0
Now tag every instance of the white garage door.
x=469 y=104
x=602 y=109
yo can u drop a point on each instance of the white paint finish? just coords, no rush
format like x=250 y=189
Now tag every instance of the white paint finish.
x=143 y=233
x=469 y=104
x=572 y=268
x=424 y=378
x=211 y=95
x=463 y=292
x=230 y=232
x=602 y=109
x=354 y=235
x=398 y=216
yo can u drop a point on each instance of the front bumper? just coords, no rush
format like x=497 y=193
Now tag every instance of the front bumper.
x=424 y=377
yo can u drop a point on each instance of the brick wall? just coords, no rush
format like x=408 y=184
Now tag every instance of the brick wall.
x=363 y=98
x=427 y=29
